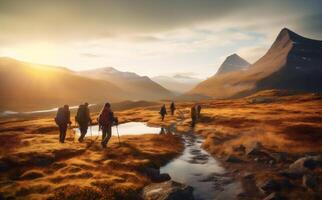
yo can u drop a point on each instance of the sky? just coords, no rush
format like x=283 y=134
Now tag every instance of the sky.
x=150 y=37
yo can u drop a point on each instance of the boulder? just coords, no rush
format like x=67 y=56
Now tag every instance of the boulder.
x=163 y=177
x=257 y=150
x=155 y=176
x=168 y=190
x=302 y=166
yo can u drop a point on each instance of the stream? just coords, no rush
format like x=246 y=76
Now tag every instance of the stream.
x=194 y=167
x=197 y=168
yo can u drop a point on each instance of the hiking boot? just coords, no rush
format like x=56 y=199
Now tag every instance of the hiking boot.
x=103 y=145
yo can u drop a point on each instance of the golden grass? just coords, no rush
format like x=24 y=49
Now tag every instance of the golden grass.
x=290 y=124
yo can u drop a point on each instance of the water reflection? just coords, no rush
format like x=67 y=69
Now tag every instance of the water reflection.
x=197 y=168
x=130 y=128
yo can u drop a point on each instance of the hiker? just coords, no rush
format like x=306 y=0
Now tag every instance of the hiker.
x=163 y=112
x=83 y=119
x=105 y=122
x=172 y=108
x=193 y=116
x=198 y=111
x=62 y=119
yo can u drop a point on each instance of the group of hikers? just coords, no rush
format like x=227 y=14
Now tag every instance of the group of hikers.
x=105 y=120
x=195 y=112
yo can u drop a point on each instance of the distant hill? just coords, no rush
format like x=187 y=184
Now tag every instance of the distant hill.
x=232 y=63
x=136 y=87
x=26 y=86
x=177 y=83
x=292 y=63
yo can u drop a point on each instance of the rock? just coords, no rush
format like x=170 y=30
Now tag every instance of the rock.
x=163 y=177
x=169 y=190
x=302 y=166
x=257 y=151
x=254 y=148
x=155 y=175
x=309 y=181
x=274 y=196
x=233 y=159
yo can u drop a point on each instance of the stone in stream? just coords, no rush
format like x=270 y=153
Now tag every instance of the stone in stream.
x=155 y=175
x=168 y=190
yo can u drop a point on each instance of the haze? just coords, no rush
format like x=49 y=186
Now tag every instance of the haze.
x=149 y=37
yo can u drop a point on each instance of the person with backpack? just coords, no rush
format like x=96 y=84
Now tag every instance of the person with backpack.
x=163 y=112
x=105 y=122
x=193 y=116
x=62 y=119
x=172 y=108
x=198 y=111
x=83 y=119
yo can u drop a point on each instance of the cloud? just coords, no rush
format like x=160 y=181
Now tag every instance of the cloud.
x=90 y=55
x=84 y=20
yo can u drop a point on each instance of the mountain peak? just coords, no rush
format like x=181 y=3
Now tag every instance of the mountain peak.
x=232 y=63
x=285 y=32
x=287 y=37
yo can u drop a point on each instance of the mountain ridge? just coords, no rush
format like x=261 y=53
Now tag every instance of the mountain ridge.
x=292 y=62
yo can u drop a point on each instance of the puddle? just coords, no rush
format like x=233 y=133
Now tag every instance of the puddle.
x=197 y=168
x=130 y=128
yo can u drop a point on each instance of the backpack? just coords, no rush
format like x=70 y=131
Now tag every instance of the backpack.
x=60 y=117
x=106 y=117
x=81 y=116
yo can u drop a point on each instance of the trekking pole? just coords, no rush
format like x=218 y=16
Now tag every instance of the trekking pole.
x=90 y=128
x=118 y=135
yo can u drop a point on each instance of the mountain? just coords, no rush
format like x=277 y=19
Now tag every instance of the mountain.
x=232 y=63
x=293 y=62
x=177 y=83
x=137 y=87
x=26 y=86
